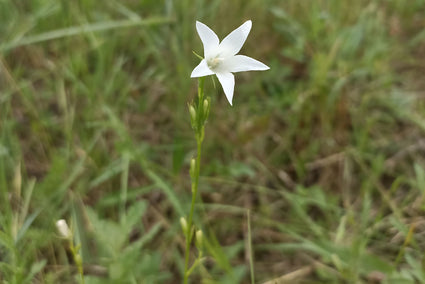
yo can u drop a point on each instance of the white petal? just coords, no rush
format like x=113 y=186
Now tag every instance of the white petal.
x=239 y=63
x=208 y=37
x=201 y=70
x=232 y=43
x=227 y=80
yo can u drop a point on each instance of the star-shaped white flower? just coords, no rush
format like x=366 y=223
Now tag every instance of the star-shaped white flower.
x=221 y=59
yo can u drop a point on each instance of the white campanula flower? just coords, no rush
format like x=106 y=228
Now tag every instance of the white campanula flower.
x=221 y=58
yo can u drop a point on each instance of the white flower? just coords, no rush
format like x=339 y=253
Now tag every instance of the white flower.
x=221 y=59
x=63 y=229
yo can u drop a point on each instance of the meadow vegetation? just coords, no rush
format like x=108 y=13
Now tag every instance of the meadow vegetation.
x=325 y=152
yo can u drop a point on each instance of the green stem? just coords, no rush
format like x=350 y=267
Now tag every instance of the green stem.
x=195 y=181
x=77 y=260
x=251 y=255
x=82 y=278
x=192 y=209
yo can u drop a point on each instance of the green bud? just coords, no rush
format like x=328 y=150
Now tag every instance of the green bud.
x=183 y=223
x=202 y=134
x=206 y=105
x=192 y=112
x=78 y=260
x=199 y=238
x=192 y=168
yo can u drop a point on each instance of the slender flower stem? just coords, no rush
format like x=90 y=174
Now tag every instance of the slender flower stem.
x=67 y=234
x=192 y=207
x=198 y=125
x=77 y=259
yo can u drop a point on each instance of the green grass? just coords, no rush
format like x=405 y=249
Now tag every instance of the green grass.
x=325 y=150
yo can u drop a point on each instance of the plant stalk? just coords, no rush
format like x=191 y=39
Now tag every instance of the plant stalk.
x=199 y=133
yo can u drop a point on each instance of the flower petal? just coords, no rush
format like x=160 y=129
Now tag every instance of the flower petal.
x=208 y=37
x=239 y=63
x=201 y=70
x=227 y=80
x=232 y=43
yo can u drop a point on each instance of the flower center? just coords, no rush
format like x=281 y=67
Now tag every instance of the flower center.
x=214 y=62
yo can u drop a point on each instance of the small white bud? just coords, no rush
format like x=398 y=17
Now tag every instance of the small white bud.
x=63 y=229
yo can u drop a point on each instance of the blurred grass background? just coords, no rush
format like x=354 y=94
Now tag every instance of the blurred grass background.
x=326 y=149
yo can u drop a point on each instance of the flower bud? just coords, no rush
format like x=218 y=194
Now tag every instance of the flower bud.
x=206 y=108
x=63 y=229
x=78 y=260
x=192 y=168
x=192 y=112
x=183 y=223
x=199 y=238
x=206 y=105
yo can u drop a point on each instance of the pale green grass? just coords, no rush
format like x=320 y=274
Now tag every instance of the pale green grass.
x=326 y=149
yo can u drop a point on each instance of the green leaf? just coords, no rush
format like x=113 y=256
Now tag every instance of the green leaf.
x=134 y=215
x=369 y=263
x=35 y=268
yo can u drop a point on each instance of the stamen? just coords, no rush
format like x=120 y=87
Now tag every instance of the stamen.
x=214 y=62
